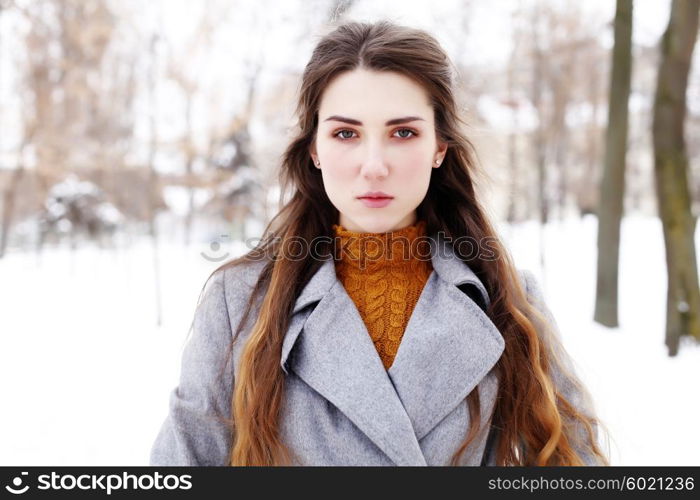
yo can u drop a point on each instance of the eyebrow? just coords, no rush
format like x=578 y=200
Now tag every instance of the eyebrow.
x=394 y=121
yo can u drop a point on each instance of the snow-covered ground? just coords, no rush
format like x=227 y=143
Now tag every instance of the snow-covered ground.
x=641 y=394
x=85 y=373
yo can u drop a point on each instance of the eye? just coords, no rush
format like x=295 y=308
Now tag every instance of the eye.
x=404 y=133
x=343 y=138
x=407 y=130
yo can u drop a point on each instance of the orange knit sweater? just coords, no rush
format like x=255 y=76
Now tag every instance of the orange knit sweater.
x=384 y=274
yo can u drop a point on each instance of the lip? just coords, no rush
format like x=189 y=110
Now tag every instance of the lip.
x=375 y=199
x=375 y=194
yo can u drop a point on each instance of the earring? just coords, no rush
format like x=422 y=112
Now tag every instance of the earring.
x=437 y=162
x=318 y=163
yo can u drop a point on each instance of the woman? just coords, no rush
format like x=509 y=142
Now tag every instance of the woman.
x=380 y=321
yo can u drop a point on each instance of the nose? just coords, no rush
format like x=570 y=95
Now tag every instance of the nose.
x=374 y=167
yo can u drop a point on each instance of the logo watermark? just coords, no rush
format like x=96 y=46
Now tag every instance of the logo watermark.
x=364 y=249
x=17 y=488
x=102 y=482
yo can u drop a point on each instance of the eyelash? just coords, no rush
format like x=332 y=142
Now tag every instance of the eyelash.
x=337 y=134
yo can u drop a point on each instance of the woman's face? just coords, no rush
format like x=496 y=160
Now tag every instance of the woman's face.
x=376 y=133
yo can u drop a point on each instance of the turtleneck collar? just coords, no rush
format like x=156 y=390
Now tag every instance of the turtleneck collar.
x=401 y=247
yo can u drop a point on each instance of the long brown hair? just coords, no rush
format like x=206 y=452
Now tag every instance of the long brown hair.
x=535 y=424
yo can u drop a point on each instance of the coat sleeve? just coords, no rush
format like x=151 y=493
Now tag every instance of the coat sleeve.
x=195 y=431
x=564 y=374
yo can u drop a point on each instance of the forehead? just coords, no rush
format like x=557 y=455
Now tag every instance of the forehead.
x=374 y=95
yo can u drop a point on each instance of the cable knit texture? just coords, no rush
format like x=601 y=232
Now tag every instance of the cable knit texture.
x=384 y=274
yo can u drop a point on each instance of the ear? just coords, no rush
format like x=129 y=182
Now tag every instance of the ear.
x=312 y=152
x=440 y=153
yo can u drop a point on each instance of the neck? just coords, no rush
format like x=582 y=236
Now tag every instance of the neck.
x=400 y=247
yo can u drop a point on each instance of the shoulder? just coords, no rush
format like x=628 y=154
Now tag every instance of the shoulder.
x=222 y=306
x=528 y=281
x=226 y=294
x=235 y=281
x=533 y=291
x=534 y=294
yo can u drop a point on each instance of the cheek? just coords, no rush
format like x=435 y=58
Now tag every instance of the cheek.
x=414 y=171
x=339 y=160
x=339 y=166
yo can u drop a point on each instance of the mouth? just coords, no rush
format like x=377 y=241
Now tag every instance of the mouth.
x=375 y=195
x=375 y=201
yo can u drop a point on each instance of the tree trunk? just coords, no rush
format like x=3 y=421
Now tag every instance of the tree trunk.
x=189 y=161
x=612 y=185
x=539 y=139
x=513 y=137
x=153 y=182
x=671 y=173
x=8 y=208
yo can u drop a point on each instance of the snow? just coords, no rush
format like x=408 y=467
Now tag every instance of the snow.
x=88 y=372
x=641 y=394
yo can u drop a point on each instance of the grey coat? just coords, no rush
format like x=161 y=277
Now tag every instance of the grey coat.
x=341 y=406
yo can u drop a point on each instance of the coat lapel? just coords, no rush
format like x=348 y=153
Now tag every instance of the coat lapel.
x=448 y=347
x=449 y=344
x=334 y=354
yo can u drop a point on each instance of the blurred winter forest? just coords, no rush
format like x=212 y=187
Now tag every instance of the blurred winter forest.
x=167 y=118
x=159 y=125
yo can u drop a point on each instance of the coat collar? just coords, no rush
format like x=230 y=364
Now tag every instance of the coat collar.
x=447 y=265
x=448 y=346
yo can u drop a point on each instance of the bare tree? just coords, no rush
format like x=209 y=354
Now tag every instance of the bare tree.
x=338 y=8
x=671 y=169
x=75 y=102
x=153 y=177
x=612 y=185
x=184 y=73
x=561 y=48
x=539 y=135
